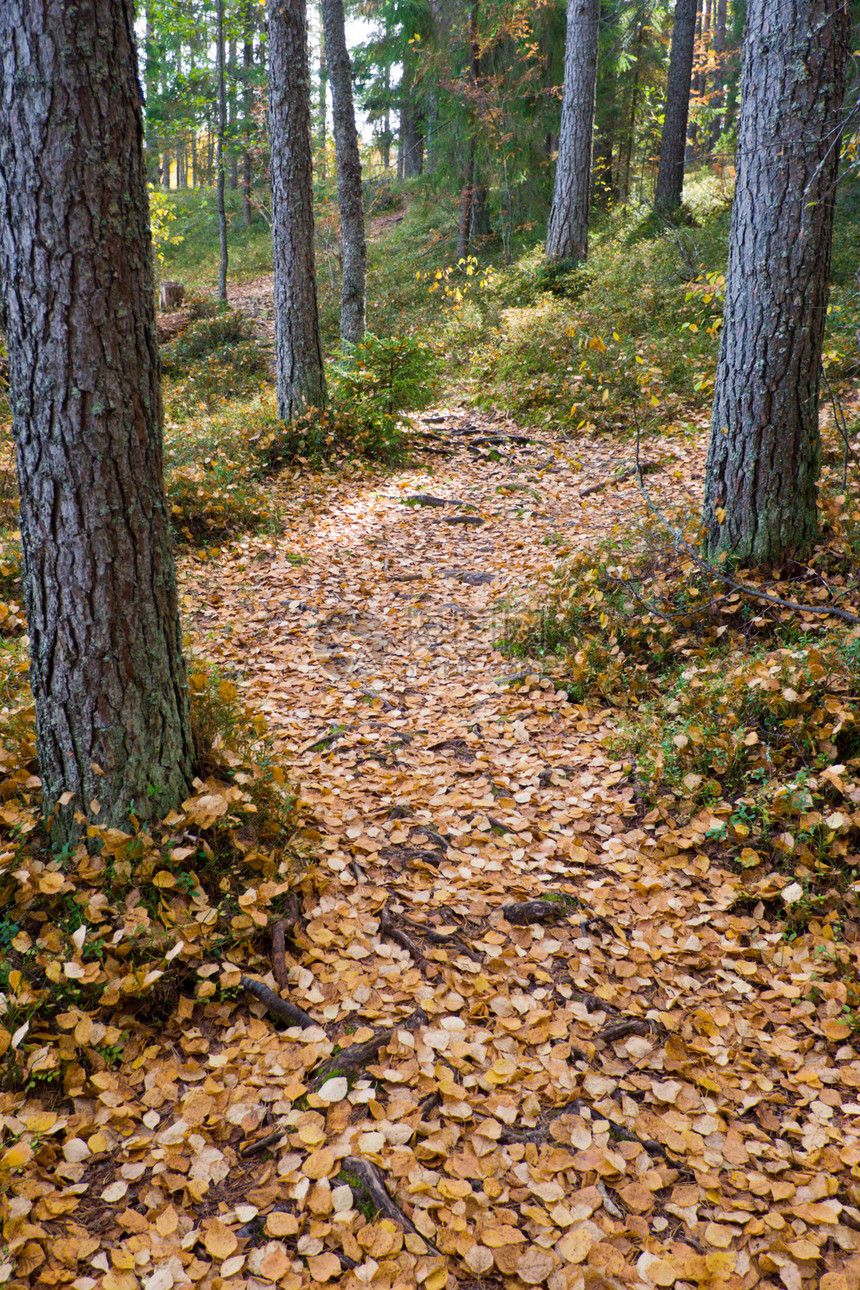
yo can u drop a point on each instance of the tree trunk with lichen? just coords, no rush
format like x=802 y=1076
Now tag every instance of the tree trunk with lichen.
x=112 y=714
x=764 y=457
x=349 y=196
x=567 y=232
x=298 y=353
x=673 y=139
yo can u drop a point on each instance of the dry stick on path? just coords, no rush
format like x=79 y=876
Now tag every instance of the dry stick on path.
x=279 y=958
x=648 y=467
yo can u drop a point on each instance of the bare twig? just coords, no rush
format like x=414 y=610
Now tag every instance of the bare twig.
x=841 y=426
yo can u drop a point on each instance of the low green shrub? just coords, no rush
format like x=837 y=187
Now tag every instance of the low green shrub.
x=214 y=358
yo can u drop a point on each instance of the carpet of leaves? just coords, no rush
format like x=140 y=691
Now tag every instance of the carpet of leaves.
x=598 y=1069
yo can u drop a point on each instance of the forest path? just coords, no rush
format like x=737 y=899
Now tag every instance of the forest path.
x=709 y=1120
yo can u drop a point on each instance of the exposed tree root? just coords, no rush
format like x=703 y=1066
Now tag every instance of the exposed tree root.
x=354 y=1058
x=277 y=1006
x=374 y=1188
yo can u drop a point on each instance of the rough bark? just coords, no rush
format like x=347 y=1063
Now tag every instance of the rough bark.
x=232 y=117
x=219 y=155
x=411 y=152
x=764 y=457
x=719 y=93
x=248 y=21
x=323 y=96
x=349 y=197
x=670 y=170
x=150 y=47
x=567 y=233
x=107 y=672
x=300 y=376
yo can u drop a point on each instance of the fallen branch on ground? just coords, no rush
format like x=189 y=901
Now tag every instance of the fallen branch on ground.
x=648 y=467
x=277 y=1006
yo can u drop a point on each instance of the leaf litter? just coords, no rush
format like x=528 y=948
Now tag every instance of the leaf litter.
x=538 y=1043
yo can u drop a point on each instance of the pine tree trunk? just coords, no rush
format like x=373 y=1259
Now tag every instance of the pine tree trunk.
x=349 y=197
x=219 y=156
x=567 y=233
x=411 y=140
x=764 y=457
x=107 y=672
x=323 y=96
x=247 y=104
x=300 y=376
x=151 y=86
x=719 y=72
x=670 y=171
x=232 y=116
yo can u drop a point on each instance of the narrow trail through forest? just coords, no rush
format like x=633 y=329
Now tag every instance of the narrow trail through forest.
x=620 y=1085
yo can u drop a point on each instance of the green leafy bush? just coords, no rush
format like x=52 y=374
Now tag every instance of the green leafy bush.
x=371 y=385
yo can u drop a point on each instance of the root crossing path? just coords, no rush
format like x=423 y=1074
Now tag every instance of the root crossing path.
x=538 y=1041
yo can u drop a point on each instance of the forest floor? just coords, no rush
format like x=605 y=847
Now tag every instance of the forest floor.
x=553 y=1027
x=545 y=1044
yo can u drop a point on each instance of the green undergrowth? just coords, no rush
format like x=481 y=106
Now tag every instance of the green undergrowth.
x=108 y=934
x=371 y=387
x=214 y=475
x=736 y=714
x=215 y=358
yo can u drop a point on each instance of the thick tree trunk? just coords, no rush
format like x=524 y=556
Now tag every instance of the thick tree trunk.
x=353 y=296
x=300 y=376
x=107 y=671
x=670 y=171
x=764 y=457
x=567 y=234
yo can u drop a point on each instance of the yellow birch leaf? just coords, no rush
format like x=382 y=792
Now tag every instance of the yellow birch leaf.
x=324 y=1267
x=280 y=1223
x=503 y=1234
x=275 y=1263
x=319 y=1164
x=219 y=1240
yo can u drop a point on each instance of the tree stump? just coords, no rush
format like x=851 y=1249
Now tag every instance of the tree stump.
x=170 y=296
